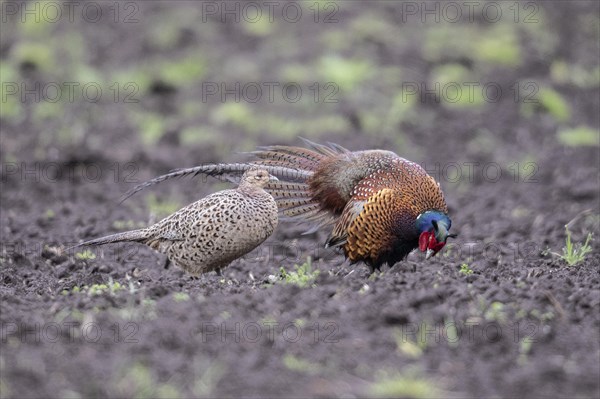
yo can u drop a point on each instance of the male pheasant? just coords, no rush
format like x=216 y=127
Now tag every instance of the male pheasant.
x=211 y=233
x=381 y=206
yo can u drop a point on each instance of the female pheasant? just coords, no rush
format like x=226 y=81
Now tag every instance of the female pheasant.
x=214 y=231
x=381 y=206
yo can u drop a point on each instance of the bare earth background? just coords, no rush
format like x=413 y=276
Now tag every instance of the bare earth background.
x=499 y=103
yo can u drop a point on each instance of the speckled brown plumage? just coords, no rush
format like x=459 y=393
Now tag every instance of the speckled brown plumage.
x=377 y=221
x=211 y=233
x=371 y=198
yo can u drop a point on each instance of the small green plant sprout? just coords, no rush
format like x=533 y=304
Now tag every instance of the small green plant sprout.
x=160 y=208
x=137 y=380
x=573 y=253
x=85 y=255
x=496 y=312
x=407 y=346
x=465 y=269
x=99 y=289
x=96 y=289
x=407 y=384
x=74 y=290
x=181 y=297
x=302 y=275
x=524 y=350
x=128 y=224
x=294 y=363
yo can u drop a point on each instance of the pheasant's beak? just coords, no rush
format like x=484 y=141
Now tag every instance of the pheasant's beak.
x=429 y=253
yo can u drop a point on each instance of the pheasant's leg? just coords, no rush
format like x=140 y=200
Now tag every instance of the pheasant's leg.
x=371 y=269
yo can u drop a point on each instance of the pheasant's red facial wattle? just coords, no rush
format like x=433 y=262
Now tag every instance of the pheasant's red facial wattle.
x=424 y=240
x=429 y=244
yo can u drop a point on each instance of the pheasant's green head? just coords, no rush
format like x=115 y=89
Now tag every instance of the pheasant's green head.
x=433 y=228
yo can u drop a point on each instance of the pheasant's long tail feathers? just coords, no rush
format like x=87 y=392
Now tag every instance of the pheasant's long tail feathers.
x=218 y=169
x=209 y=169
x=288 y=190
x=293 y=166
x=133 y=235
x=297 y=199
x=301 y=210
x=293 y=199
x=329 y=150
x=294 y=156
x=303 y=158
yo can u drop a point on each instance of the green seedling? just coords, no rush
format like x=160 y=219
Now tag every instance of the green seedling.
x=181 y=297
x=574 y=253
x=96 y=289
x=496 y=312
x=85 y=255
x=580 y=136
x=406 y=346
x=524 y=350
x=465 y=269
x=297 y=364
x=161 y=208
x=302 y=275
x=406 y=384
